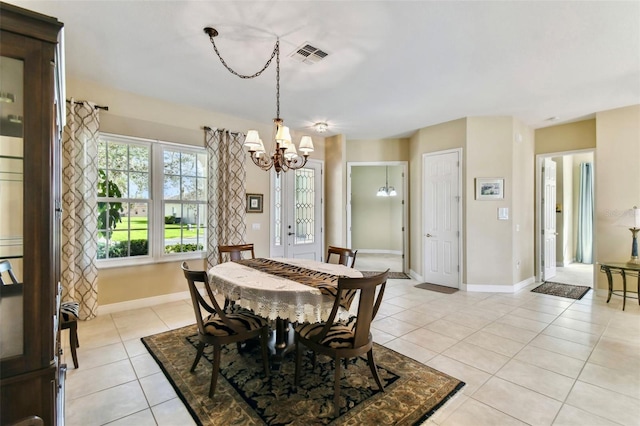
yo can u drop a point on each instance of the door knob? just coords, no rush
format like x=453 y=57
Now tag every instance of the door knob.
x=291 y=233
x=428 y=235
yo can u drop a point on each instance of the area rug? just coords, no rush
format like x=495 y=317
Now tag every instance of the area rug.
x=392 y=275
x=569 y=291
x=436 y=287
x=244 y=396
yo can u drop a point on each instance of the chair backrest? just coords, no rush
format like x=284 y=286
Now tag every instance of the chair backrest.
x=199 y=302
x=346 y=256
x=5 y=270
x=234 y=252
x=368 y=304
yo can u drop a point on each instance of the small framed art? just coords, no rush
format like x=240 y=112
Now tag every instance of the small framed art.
x=489 y=188
x=254 y=203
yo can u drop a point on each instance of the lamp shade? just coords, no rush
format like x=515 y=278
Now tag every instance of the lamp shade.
x=630 y=218
x=283 y=137
x=290 y=152
x=252 y=140
x=306 y=145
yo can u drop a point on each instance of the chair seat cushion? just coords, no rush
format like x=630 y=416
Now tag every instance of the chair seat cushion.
x=340 y=335
x=70 y=310
x=239 y=316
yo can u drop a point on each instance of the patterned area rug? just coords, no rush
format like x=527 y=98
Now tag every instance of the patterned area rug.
x=244 y=396
x=392 y=275
x=569 y=291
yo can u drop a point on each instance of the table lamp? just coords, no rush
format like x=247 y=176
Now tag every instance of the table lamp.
x=631 y=219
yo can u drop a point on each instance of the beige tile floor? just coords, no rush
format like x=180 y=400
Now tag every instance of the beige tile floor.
x=526 y=358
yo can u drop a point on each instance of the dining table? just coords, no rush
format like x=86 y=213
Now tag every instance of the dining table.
x=284 y=290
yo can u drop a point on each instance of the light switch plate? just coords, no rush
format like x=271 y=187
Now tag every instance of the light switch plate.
x=503 y=213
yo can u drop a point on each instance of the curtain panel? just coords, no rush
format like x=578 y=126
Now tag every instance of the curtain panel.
x=226 y=204
x=79 y=216
x=584 y=249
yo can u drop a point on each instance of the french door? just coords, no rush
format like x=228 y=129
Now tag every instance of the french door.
x=296 y=213
x=549 y=218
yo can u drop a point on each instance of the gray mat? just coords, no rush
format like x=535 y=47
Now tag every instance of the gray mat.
x=436 y=287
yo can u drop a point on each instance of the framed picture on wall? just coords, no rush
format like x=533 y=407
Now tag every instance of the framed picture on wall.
x=254 y=203
x=489 y=188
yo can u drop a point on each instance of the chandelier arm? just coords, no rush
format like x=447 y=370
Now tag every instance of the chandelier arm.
x=276 y=50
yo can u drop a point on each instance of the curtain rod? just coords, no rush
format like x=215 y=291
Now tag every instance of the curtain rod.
x=209 y=128
x=106 y=108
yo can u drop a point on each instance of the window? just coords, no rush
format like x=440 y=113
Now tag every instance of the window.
x=132 y=221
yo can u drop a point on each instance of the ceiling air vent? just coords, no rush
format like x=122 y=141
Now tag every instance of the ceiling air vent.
x=308 y=54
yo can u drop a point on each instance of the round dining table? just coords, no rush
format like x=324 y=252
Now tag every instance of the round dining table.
x=278 y=298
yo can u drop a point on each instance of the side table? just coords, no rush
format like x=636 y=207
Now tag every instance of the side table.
x=624 y=269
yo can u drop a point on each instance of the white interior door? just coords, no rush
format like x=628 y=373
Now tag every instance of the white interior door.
x=549 y=218
x=441 y=209
x=296 y=212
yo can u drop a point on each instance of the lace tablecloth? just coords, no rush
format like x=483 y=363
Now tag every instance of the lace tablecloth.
x=274 y=297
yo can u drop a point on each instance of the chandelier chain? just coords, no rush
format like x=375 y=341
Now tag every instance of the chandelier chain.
x=276 y=50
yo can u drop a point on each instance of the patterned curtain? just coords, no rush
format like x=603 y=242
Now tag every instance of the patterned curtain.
x=226 y=215
x=79 y=217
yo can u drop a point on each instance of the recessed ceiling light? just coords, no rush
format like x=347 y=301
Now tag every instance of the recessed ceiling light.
x=554 y=118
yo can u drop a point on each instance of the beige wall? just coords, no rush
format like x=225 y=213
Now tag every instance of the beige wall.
x=149 y=118
x=335 y=177
x=378 y=149
x=617 y=181
x=376 y=222
x=449 y=135
x=566 y=137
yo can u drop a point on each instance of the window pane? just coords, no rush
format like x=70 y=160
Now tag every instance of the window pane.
x=171 y=187
x=189 y=188
x=117 y=156
x=139 y=185
x=139 y=158
x=171 y=163
x=121 y=179
x=188 y=164
x=304 y=206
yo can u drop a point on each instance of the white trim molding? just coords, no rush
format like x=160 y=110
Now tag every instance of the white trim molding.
x=493 y=288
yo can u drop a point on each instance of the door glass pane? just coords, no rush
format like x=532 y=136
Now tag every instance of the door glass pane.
x=304 y=206
x=11 y=206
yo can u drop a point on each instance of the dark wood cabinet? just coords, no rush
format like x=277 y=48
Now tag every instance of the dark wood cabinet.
x=31 y=379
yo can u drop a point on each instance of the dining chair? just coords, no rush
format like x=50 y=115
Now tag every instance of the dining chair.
x=221 y=327
x=5 y=270
x=346 y=256
x=69 y=313
x=347 y=338
x=234 y=252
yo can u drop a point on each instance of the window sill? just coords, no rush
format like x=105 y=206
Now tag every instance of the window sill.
x=147 y=260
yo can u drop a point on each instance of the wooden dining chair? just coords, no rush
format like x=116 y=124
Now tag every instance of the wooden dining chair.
x=234 y=252
x=221 y=327
x=346 y=256
x=7 y=277
x=348 y=338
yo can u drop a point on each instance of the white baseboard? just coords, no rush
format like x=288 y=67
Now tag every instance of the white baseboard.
x=142 y=303
x=375 y=251
x=413 y=274
x=489 y=288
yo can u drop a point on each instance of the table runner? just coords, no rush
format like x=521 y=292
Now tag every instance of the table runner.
x=326 y=283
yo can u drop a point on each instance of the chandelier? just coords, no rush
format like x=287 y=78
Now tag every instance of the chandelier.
x=283 y=156
x=386 y=190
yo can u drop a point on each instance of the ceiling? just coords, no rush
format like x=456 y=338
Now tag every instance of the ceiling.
x=392 y=66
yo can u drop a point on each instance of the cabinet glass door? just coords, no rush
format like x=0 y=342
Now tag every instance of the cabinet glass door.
x=11 y=206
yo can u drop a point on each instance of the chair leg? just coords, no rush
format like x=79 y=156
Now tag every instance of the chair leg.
x=215 y=368
x=201 y=346
x=336 y=388
x=374 y=369
x=73 y=341
x=264 y=339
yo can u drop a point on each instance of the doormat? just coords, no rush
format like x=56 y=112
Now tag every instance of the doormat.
x=244 y=396
x=569 y=291
x=392 y=275
x=436 y=287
